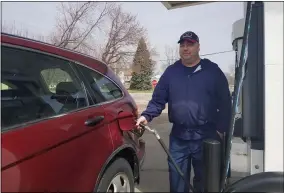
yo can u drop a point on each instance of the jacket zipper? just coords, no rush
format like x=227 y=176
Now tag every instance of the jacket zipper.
x=197 y=70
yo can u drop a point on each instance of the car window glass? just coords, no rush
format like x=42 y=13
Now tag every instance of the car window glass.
x=5 y=86
x=38 y=86
x=101 y=84
x=54 y=76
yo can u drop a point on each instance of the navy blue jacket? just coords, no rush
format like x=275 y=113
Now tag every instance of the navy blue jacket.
x=197 y=100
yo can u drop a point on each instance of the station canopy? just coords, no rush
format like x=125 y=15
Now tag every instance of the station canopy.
x=179 y=4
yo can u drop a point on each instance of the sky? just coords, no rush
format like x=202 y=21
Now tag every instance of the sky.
x=212 y=22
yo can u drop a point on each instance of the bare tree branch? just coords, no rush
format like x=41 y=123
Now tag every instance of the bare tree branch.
x=70 y=25
x=12 y=29
x=77 y=22
x=96 y=24
x=123 y=35
x=172 y=54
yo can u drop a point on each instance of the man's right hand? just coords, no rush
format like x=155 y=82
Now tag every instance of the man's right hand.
x=142 y=120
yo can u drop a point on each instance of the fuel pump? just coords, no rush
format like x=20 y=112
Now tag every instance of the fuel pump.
x=249 y=124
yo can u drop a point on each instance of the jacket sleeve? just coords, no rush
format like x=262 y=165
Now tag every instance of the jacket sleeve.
x=159 y=98
x=224 y=104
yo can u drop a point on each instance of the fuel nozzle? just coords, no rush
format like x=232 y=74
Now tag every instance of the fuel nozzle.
x=139 y=131
x=145 y=127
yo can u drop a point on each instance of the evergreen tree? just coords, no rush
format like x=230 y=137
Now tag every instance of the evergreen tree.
x=142 y=68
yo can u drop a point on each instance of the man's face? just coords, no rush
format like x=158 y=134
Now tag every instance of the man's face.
x=188 y=50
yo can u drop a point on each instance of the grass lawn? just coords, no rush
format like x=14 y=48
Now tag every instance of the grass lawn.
x=140 y=91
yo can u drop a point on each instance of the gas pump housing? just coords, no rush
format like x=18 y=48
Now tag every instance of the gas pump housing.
x=250 y=120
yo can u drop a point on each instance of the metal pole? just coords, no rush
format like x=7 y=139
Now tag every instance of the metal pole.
x=212 y=165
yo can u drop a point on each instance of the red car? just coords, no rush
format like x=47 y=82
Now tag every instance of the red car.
x=61 y=122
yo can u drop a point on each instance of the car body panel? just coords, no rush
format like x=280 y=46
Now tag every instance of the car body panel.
x=61 y=153
x=47 y=152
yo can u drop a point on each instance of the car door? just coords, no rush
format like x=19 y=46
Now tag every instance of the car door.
x=104 y=88
x=54 y=137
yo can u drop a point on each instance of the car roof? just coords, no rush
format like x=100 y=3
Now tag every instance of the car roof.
x=75 y=56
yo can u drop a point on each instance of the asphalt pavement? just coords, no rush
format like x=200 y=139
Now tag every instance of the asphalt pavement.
x=154 y=174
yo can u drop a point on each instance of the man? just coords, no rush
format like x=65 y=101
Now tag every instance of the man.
x=199 y=106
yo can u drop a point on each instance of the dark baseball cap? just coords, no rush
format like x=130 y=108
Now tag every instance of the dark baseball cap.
x=190 y=36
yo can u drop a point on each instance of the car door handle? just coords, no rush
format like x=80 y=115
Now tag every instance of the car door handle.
x=94 y=121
